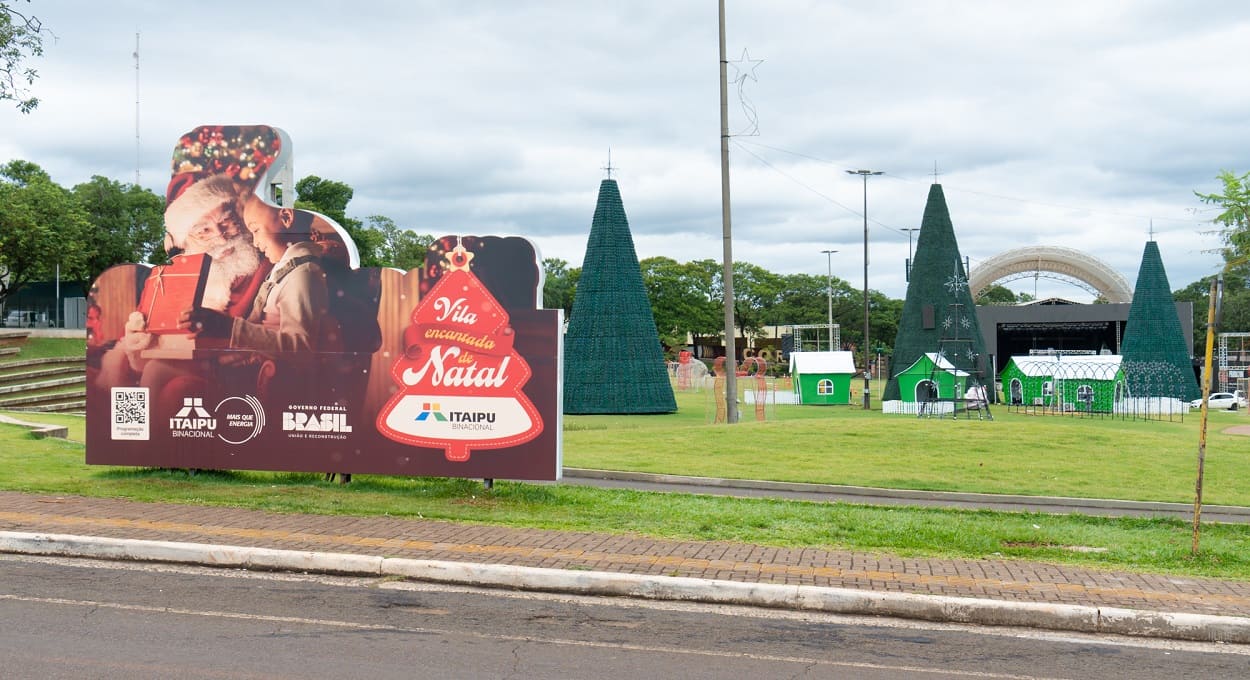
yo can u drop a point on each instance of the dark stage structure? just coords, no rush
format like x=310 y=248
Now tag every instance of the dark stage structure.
x=1014 y=330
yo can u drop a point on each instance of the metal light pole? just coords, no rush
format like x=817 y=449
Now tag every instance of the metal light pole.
x=829 y=257
x=909 y=231
x=867 y=349
x=731 y=354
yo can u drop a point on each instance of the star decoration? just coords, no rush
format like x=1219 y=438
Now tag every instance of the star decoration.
x=745 y=67
x=956 y=283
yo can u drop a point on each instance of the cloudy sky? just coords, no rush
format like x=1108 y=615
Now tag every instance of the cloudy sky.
x=1078 y=124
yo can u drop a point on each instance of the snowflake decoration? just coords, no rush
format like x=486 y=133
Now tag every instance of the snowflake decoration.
x=956 y=283
x=971 y=356
x=965 y=322
x=947 y=323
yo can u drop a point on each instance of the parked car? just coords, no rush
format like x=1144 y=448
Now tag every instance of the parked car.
x=1222 y=400
x=19 y=319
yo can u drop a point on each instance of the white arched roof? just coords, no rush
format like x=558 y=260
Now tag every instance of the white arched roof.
x=1109 y=283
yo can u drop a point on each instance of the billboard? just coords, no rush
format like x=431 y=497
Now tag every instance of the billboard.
x=262 y=345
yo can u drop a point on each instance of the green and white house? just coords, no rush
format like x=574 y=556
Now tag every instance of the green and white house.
x=1086 y=383
x=931 y=380
x=822 y=377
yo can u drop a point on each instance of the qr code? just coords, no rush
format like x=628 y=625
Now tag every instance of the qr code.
x=130 y=407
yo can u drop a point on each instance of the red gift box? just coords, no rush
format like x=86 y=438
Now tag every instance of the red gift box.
x=173 y=289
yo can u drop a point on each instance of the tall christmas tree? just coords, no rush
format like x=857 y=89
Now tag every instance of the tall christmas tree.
x=939 y=307
x=613 y=361
x=1156 y=360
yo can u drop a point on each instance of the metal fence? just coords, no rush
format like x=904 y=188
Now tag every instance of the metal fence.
x=1095 y=387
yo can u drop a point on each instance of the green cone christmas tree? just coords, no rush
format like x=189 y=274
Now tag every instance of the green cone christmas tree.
x=1156 y=359
x=613 y=361
x=939 y=305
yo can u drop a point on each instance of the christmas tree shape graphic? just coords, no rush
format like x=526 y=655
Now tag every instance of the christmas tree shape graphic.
x=460 y=378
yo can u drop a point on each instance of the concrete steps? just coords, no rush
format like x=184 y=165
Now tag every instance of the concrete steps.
x=56 y=384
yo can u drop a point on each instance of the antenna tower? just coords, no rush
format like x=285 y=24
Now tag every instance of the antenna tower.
x=137 y=152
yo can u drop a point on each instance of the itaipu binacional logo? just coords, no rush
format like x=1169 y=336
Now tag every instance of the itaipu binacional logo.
x=429 y=410
x=468 y=421
x=234 y=420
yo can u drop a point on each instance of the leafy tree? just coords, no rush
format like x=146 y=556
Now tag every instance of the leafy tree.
x=1235 y=218
x=127 y=224
x=884 y=315
x=996 y=295
x=679 y=301
x=42 y=228
x=756 y=293
x=1235 y=316
x=330 y=198
x=803 y=299
x=398 y=247
x=559 y=285
x=706 y=279
x=21 y=38
x=1234 y=221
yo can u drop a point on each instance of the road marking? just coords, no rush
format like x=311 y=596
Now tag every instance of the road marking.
x=738 y=611
x=650 y=649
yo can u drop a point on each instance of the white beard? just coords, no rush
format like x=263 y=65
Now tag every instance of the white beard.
x=227 y=270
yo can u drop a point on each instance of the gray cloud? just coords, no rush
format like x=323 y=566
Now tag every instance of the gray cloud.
x=1070 y=123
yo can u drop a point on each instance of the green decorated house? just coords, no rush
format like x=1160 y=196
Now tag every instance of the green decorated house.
x=822 y=377
x=1090 y=383
x=929 y=378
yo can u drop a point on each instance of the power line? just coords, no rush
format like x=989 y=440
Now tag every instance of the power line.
x=986 y=193
x=814 y=190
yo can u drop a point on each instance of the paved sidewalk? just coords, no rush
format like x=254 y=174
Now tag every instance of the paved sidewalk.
x=1001 y=580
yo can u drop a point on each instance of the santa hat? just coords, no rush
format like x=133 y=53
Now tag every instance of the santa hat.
x=211 y=157
x=196 y=201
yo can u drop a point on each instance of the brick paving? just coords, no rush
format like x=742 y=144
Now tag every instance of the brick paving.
x=1009 y=580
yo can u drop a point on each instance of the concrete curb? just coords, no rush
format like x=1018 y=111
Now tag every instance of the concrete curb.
x=40 y=430
x=1153 y=624
x=1063 y=503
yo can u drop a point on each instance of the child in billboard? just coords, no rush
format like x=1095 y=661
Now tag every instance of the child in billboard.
x=290 y=313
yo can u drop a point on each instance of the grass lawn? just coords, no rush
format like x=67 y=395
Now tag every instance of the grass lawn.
x=839 y=445
x=41 y=348
x=1013 y=454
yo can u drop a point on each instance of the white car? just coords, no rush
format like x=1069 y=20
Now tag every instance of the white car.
x=1222 y=400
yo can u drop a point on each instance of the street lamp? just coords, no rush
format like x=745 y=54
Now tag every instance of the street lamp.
x=829 y=257
x=865 y=174
x=909 y=231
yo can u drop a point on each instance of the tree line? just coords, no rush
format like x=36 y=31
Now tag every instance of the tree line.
x=48 y=231
x=78 y=232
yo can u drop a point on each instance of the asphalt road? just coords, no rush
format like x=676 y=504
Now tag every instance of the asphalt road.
x=83 y=619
